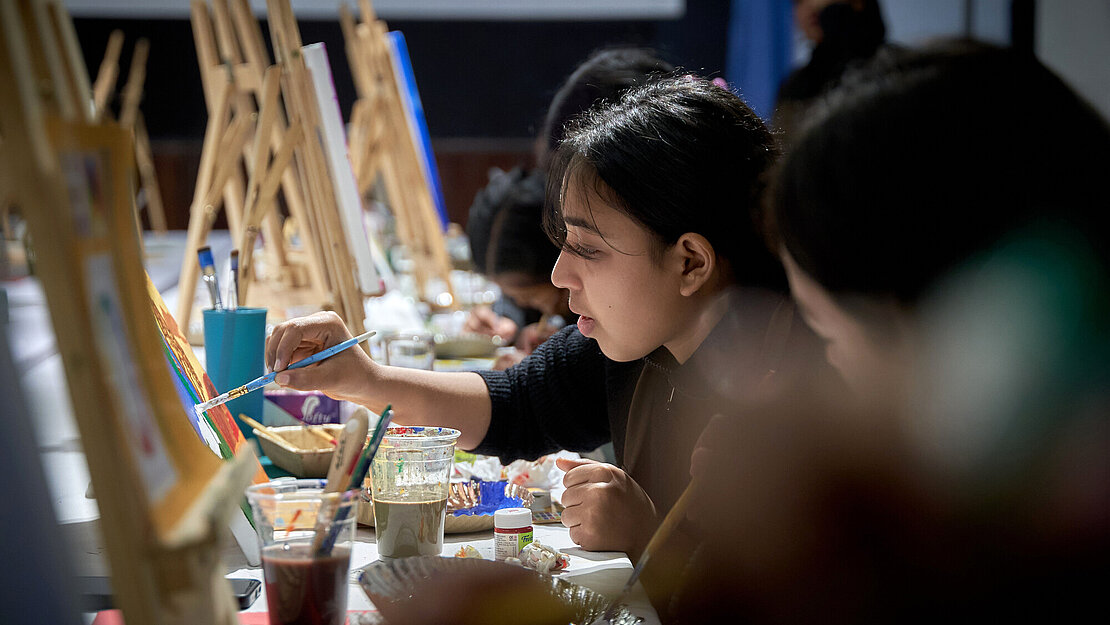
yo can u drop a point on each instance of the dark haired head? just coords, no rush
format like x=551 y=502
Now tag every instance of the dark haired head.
x=676 y=155
x=504 y=227
x=916 y=163
x=603 y=76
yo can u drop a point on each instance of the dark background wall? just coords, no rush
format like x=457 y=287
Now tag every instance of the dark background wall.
x=484 y=85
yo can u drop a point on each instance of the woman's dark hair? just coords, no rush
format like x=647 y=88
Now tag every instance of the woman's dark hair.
x=504 y=227
x=604 y=75
x=916 y=163
x=676 y=155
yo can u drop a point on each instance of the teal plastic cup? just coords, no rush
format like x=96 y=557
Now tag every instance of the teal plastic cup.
x=234 y=349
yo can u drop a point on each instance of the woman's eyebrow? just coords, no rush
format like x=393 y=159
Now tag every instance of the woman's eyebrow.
x=581 y=222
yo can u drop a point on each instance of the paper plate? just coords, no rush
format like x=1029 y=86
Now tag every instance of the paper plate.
x=392 y=582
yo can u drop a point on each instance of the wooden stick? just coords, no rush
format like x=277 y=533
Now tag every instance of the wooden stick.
x=133 y=89
x=265 y=195
x=322 y=434
x=77 y=75
x=144 y=158
x=198 y=222
x=254 y=49
x=107 y=75
x=269 y=433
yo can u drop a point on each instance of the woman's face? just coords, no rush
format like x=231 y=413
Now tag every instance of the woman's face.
x=868 y=366
x=629 y=303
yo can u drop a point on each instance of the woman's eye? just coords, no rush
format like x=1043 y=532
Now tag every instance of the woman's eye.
x=584 y=252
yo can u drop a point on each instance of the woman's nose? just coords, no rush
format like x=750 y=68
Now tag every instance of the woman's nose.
x=562 y=274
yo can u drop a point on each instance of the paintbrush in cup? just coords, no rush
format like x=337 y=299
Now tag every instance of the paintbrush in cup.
x=347 y=451
x=208 y=273
x=233 y=282
x=324 y=548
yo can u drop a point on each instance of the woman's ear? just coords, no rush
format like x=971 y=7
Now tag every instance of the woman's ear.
x=699 y=262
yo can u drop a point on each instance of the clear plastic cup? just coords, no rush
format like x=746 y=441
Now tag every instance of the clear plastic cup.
x=410 y=479
x=306 y=537
x=414 y=350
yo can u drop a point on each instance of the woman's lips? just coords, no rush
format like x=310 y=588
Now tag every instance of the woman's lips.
x=586 y=325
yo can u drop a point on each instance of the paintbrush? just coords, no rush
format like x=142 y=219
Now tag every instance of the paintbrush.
x=323 y=548
x=347 y=449
x=259 y=382
x=208 y=270
x=675 y=516
x=267 y=432
x=233 y=282
x=344 y=458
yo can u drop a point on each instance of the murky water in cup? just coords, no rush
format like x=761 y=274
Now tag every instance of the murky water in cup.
x=410 y=476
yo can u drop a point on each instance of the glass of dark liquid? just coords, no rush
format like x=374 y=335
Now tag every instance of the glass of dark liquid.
x=410 y=479
x=306 y=536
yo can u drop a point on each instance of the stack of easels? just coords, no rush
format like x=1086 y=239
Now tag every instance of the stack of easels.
x=163 y=496
x=382 y=147
x=131 y=118
x=260 y=119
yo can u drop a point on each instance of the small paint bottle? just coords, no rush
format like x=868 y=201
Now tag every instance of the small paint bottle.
x=512 y=530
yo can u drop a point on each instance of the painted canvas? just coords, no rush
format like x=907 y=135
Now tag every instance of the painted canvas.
x=418 y=124
x=215 y=427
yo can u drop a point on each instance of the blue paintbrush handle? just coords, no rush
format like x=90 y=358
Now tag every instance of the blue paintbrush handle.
x=329 y=352
x=259 y=382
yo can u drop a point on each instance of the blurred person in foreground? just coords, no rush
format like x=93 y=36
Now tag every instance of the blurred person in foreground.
x=505 y=223
x=940 y=221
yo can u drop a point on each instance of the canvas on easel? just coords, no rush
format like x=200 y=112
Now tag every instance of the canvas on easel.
x=216 y=427
x=163 y=496
x=388 y=145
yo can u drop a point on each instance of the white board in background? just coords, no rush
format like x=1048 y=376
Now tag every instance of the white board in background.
x=413 y=9
x=334 y=141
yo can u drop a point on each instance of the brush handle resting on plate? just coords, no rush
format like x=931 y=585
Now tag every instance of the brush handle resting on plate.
x=259 y=382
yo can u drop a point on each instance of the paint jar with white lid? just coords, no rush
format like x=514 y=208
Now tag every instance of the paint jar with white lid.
x=512 y=530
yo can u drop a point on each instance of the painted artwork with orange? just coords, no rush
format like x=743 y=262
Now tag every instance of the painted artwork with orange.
x=215 y=427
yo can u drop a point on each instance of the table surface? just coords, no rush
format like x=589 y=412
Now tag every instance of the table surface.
x=604 y=572
x=59 y=443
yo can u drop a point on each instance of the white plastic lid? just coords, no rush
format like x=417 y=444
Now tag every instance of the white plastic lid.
x=512 y=518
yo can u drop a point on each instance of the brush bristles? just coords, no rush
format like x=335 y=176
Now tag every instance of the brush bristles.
x=204 y=254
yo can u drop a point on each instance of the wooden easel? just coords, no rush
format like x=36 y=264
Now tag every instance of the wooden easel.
x=381 y=144
x=163 y=496
x=323 y=221
x=236 y=74
x=131 y=118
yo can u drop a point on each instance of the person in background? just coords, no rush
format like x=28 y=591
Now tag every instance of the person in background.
x=941 y=224
x=509 y=247
x=679 y=303
x=844 y=33
x=504 y=226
